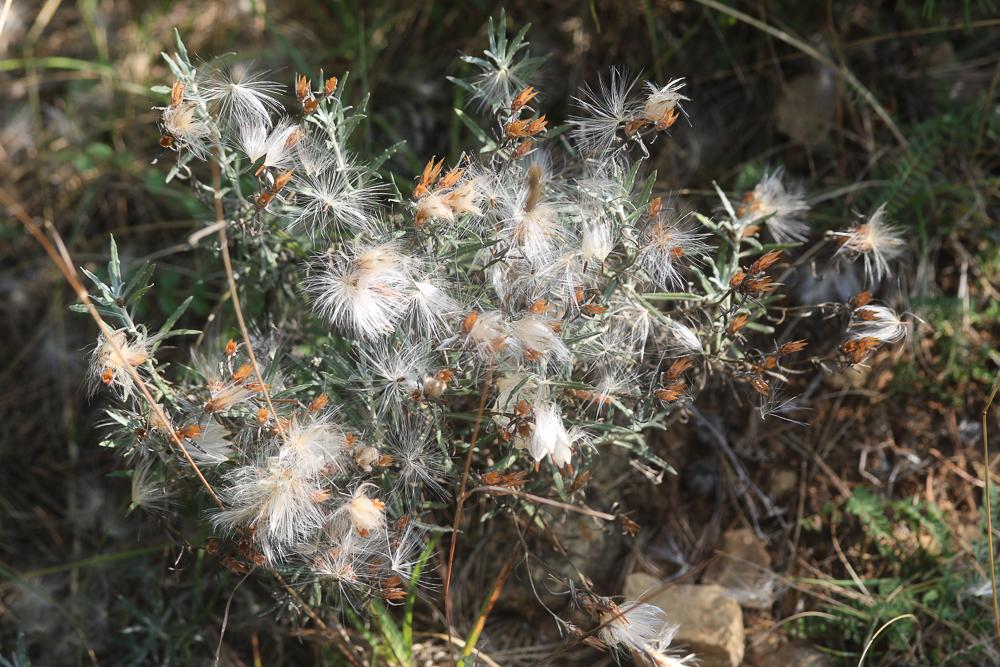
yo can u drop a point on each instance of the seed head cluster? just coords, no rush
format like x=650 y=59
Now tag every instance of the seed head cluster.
x=547 y=280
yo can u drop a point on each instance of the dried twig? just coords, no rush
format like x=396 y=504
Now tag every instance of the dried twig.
x=57 y=252
x=487 y=382
x=987 y=501
x=220 y=223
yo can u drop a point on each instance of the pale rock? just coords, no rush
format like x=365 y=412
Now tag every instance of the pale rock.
x=710 y=622
x=743 y=568
x=798 y=654
x=783 y=481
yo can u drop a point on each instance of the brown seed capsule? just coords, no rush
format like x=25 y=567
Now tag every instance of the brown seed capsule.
x=628 y=526
x=763 y=284
x=319 y=496
x=434 y=388
x=451 y=178
x=865 y=314
x=523 y=98
x=748 y=204
x=522 y=129
x=633 y=126
x=655 y=207
x=281 y=181
x=491 y=478
x=470 y=321
x=738 y=323
x=522 y=149
x=430 y=174
x=263 y=199
x=302 y=87
x=242 y=373
x=792 y=347
x=861 y=299
x=319 y=403
x=671 y=393
x=857 y=349
x=668 y=118
x=677 y=368
x=176 y=93
x=765 y=261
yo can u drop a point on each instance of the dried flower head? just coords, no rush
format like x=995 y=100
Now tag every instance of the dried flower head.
x=876 y=241
x=782 y=210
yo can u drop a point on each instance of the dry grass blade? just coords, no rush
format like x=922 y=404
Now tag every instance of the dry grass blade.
x=491 y=600
x=987 y=501
x=882 y=629
x=847 y=75
x=487 y=382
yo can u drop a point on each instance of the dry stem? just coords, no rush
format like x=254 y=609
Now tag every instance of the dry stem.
x=61 y=258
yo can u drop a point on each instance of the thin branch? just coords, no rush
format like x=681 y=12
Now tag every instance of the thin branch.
x=220 y=223
x=505 y=491
x=61 y=258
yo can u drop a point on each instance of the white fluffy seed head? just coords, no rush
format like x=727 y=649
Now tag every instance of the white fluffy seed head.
x=536 y=339
x=186 y=124
x=111 y=369
x=335 y=200
x=550 y=437
x=663 y=103
x=366 y=514
x=879 y=322
x=597 y=243
x=240 y=95
x=149 y=491
x=363 y=290
x=783 y=210
x=281 y=505
x=877 y=241
x=212 y=445
x=313 y=445
x=669 y=243
x=604 y=112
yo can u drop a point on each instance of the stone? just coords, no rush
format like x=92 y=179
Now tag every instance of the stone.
x=783 y=481
x=743 y=568
x=805 y=110
x=710 y=623
x=799 y=654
